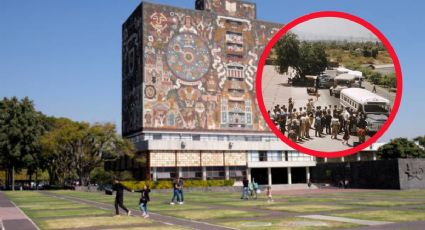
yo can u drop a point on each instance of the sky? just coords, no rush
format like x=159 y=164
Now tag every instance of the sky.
x=331 y=28
x=66 y=55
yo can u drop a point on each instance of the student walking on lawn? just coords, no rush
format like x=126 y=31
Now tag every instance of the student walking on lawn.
x=144 y=199
x=176 y=192
x=119 y=197
x=180 y=185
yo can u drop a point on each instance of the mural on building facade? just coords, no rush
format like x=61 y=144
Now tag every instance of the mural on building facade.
x=198 y=69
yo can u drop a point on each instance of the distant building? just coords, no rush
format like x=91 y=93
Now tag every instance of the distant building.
x=188 y=100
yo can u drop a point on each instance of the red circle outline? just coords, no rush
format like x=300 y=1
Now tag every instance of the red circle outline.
x=352 y=18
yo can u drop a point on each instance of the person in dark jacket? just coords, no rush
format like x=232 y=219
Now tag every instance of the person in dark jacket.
x=144 y=199
x=245 y=189
x=180 y=183
x=176 y=193
x=119 y=197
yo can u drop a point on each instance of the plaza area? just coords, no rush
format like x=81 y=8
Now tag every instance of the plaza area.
x=277 y=91
x=291 y=209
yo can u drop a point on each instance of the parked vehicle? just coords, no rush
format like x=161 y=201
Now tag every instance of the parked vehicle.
x=375 y=107
x=343 y=81
x=325 y=81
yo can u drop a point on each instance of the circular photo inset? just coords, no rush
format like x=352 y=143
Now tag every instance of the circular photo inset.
x=329 y=84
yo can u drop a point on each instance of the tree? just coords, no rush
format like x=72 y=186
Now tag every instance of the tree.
x=20 y=129
x=313 y=59
x=421 y=141
x=401 y=148
x=76 y=148
x=305 y=57
x=57 y=156
x=100 y=141
x=287 y=52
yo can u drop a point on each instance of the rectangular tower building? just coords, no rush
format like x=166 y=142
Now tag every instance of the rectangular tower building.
x=188 y=95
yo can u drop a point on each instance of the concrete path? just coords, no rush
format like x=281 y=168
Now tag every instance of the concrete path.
x=415 y=225
x=347 y=220
x=12 y=217
x=168 y=220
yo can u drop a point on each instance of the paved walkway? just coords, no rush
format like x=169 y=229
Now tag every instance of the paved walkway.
x=415 y=225
x=12 y=218
x=168 y=220
x=346 y=220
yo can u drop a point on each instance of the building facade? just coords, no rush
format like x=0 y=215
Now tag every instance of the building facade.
x=189 y=101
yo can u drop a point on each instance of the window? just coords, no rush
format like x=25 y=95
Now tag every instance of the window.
x=166 y=173
x=157 y=136
x=237 y=172
x=254 y=156
x=275 y=156
x=196 y=137
x=215 y=172
x=235 y=71
x=192 y=172
x=263 y=156
x=233 y=22
x=233 y=37
x=234 y=56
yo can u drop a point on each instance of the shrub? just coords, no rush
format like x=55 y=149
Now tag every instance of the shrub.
x=100 y=176
x=167 y=184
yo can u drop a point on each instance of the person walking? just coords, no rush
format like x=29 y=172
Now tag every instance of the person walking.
x=245 y=189
x=361 y=129
x=317 y=125
x=335 y=126
x=119 y=197
x=307 y=126
x=269 y=194
x=251 y=190
x=180 y=190
x=346 y=136
x=144 y=199
x=256 y=189
x=374 y=88
x=290 y=104
x=176 y=195
x=303 y=122
x=328 y=119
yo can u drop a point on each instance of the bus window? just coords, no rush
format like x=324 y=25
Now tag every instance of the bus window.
x=376 y=108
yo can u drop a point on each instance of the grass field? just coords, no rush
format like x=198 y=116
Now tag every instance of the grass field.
x=62 y=209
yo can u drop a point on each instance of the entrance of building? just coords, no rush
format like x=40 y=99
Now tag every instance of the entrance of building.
x=299 y=175
x=260 y=175
x=279 y=176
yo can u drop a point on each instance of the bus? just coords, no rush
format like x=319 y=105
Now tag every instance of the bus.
x=341 y=82
x=376 y=108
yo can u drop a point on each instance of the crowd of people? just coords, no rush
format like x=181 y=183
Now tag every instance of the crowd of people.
x=336 y=121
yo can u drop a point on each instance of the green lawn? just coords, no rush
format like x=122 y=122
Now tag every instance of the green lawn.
x=50 y=211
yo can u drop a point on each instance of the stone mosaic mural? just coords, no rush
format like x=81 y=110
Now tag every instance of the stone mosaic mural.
x=193 y=69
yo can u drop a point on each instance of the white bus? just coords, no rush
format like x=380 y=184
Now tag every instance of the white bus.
x=341 y=82
x=374 y=106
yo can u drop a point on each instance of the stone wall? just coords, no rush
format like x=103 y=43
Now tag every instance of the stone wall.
x=382 y=174
x=412 y=173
